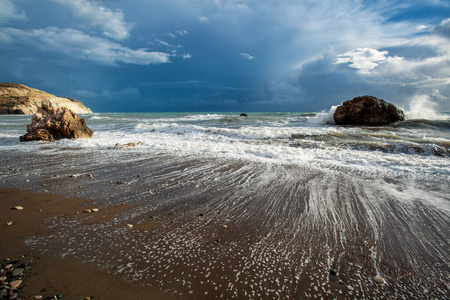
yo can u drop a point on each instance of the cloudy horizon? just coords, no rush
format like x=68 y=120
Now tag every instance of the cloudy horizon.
x=224 y=55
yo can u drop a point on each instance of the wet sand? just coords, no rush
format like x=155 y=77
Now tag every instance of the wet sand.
x=50 y=275
x=219 y=230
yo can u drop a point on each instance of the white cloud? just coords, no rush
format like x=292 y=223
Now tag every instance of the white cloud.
x=167 y=44
x=425 y=73
x=182 y=32
x=363 y=59
x=111 y=22
x=186 y=56
x=231 y=4
x=9 y=12
x=203 y=19
x=421 y=27
x=247 y=56
x=79 y=45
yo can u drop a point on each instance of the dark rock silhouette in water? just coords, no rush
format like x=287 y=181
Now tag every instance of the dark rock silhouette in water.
x=368 y=111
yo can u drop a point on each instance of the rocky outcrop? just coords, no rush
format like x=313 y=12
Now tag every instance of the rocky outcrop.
x=51 y=123
x=20 y=99
x=368 y=111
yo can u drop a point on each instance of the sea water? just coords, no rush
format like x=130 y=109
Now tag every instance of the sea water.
x=417 y=146
x=298 y=195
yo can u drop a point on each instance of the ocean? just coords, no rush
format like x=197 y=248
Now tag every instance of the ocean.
x=415 y=146
x=261 y=206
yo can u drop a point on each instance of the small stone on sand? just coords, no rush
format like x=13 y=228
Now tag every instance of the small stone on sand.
x=9 y=223
x=130 y=226
x=17 y=272
x=94 y=210
x=225 y=226
x=333 y=272
x=18 y=207
x=14 y=284
x=378 y=279
x=350 y=288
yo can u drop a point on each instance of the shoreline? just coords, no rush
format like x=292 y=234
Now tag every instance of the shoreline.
x=225 y=229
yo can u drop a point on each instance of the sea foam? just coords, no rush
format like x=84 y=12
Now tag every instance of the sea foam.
x=423 y=108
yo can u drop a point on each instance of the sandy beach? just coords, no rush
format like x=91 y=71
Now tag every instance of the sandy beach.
x=171 y=228
x=49 y=275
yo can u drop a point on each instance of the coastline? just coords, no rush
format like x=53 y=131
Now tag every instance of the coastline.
x=226 y=229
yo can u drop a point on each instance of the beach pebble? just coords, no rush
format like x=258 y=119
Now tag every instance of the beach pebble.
x=297 y=277
x=9 y=223
x=334 y=272
x=13 y=296
x=378 y=279
x=87 y=211
x=94 y=210
x=350 y=288
x=130 y=226
x=14 y=284
x=91 y=176
x=18 y=207
x=17 y=272
x=38 y=297
x=225 y=226
x=2 y=280
x=8 y=266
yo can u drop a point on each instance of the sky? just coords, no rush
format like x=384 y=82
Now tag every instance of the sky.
x=225 y=55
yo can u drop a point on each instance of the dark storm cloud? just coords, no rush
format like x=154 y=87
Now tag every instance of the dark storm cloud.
x=226 y=55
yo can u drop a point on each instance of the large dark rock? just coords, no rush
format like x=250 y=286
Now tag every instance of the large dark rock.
x=51 y=123
x=367 y=110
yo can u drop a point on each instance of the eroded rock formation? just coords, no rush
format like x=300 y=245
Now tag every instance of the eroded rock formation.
x=52 y=123
x=20 y=99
